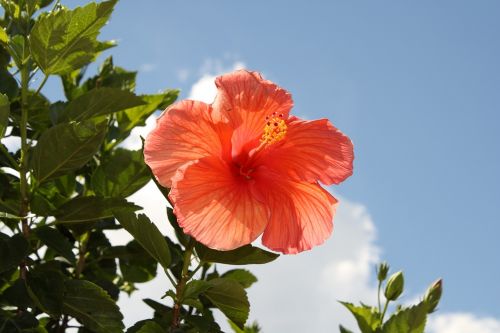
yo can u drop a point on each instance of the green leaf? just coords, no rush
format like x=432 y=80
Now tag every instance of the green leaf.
x=151 y=327
x=194 y=288
x=99 y=102
x=158 y=307
x=92 y=307
x=409 y=320
x=8 y=85
x=20 y=322
x=65 y=40
x=344 y=330
x=19 y=50
x=137 y=265
x=120 y=175
x=229 y=297
x=242 y=276
x=203 y=324
x=254 y=328
x=4 y=38
x=147 y=234
x=4 y=113
x=66 y=147
x=12 y=251
x=110 y=76
x=46 y=288
x=56 y=241
x=17 y=294
x=244 y=255
x=368 y=318
x=137 y=116
x=84 y=209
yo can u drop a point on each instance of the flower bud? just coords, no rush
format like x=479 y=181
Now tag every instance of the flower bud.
x=382 y=270
x=433 y=295
x=394 y=287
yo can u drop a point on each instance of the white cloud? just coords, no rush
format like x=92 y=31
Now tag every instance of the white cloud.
x=204 y=89
x=462 y=322
x=147 y=67
x=183 y=74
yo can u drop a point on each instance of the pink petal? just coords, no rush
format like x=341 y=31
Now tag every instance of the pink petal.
x=301 y=214
x=215 y=205
x=244 y=99
x=185 y=132
x=311 y=151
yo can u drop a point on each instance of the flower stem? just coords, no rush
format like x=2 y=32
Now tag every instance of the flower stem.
x=378 y=296
x=383 y=313
x=182 y=283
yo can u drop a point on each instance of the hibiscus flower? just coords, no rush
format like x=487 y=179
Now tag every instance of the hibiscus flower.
x=242 y=167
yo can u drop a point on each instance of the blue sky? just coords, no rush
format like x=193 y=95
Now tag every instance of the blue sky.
x=416 y=85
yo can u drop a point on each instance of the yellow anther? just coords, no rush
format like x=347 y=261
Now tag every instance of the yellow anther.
x=274 y=131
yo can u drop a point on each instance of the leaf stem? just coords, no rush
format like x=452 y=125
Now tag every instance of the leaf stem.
x=23 y=165
x=12 y=161
x=182 y=283
x=80 y=264
x=171 y=278
x=42 y=84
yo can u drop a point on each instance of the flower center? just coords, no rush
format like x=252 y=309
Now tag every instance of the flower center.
x=274 y=130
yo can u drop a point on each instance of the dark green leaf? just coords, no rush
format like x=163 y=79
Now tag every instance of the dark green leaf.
x=99 y=102
x=244 y=255
x=92 y=307
x=83 y=209
x=137 y=116
x=120 y=175
x=65 y=40
x=19 y=322
x=46 y=288
x=242 y=276
x=203 y=324
x=17 y=294
x=229 y=297
x=254 y=328
x=147 y=234
x=194 y=288
x=151 y=327
x=12 y=251
x=4 y=113
x=409 y=320
x=368 y=318
x=56 y=241
x=137 y=265
x=66 y=147
x=110 y=76
x=8 y=85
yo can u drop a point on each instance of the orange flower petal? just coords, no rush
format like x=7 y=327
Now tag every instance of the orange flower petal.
x=311 y=151
x=301 y=214
x=244 y=99
x=185 y=132
x=216 y=206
